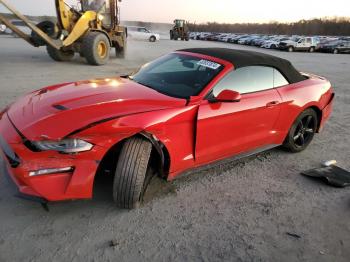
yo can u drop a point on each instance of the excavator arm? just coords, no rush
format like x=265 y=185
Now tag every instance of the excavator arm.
x=57 y=44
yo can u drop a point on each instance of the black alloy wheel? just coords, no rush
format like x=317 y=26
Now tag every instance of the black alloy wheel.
x=302 y=131
x=305 y=131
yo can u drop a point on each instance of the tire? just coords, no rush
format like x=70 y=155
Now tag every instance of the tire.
x=312 y=49
x=130 y=176
x=273 y=46
x=49 y=28
x=96 y=48
x=290 y=49
x=335 y=51
x=302 y=131
x=59 y=55
x=152 y=39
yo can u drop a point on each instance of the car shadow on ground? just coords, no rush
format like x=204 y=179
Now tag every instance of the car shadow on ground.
x=157 y=189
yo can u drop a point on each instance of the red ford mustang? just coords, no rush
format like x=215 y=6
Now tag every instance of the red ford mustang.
x=181 y=111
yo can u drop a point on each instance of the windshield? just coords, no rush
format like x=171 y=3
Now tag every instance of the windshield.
x=177 y=75
x=94 y=5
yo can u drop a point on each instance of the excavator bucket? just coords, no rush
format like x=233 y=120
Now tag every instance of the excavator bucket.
x=57 y=44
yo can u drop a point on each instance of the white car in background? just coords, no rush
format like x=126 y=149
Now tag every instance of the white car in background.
x=2 y=28
x=224 y=37
x=273 y=43
x=203 y=35
x=142 y=33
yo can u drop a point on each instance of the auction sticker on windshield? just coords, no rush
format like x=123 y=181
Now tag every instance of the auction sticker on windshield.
x=209 y=64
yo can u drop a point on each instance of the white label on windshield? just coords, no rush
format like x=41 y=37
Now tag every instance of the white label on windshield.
x=208 y=64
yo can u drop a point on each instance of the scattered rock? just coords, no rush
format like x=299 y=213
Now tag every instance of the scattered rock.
x=113 y=243
x=293 y=235
x=187 y=227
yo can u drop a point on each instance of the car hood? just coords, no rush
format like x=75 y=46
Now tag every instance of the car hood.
x=55 y=112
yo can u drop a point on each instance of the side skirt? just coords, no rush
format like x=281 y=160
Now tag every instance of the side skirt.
x=224 y=161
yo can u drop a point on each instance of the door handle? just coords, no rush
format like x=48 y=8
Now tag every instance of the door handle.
x=273 y=103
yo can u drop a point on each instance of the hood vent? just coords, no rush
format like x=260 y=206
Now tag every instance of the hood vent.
x=60 y=107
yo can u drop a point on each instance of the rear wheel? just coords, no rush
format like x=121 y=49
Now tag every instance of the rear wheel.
x=312 y=49
x=302 y=131
x=152 y=39
x=59 y=55
x=291 y=49
x=335 y=51
x=130 y=179
x=96 y=48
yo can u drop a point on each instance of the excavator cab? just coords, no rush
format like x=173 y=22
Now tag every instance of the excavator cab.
x=101 y=7
x=180 y=30
x=91 y=30
x=179 y=23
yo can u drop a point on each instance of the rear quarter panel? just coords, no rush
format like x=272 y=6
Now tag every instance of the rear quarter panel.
x=313 y=92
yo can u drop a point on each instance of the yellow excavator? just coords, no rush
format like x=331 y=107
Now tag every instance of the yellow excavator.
x=180 y=30
x=91 y=29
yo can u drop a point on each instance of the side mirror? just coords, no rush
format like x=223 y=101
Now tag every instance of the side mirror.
x=228 y=96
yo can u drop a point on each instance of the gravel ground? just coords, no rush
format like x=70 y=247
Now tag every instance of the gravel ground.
x=237 y=211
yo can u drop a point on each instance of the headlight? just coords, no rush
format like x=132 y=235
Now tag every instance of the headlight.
x=100 y=17
x=64 y=146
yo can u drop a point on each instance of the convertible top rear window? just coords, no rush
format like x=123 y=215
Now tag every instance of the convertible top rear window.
x=177 y=75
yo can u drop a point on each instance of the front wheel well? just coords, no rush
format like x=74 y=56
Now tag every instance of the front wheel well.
x=160 y=158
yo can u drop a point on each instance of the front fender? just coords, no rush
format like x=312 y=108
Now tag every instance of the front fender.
x=174 y=128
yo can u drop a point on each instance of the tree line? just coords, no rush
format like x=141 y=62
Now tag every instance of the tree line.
x=337 y=26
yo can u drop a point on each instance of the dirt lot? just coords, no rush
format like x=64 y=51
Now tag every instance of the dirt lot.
x=232 y=212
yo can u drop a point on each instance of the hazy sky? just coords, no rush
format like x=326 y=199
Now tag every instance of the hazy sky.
x=209 y=10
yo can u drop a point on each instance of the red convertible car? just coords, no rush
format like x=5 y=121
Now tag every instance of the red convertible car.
x=184 y=110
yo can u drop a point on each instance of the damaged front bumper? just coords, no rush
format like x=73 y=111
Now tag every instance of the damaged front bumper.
x=12 y=186
x=20 y=163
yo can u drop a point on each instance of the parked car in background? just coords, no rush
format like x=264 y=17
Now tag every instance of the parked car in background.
x=251 y=40
x=243 y=40
x=289 y=43
x=343 y=47
x=336 y=47
x=274 y=42
x=142 y=33
x=260 y=40
x=345 y=38
x=203 y=35
x=328 y=46
x=224 y=37
x=193 y=35
x=309 y=44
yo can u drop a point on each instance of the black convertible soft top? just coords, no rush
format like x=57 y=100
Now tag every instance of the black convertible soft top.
x=243 y=58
